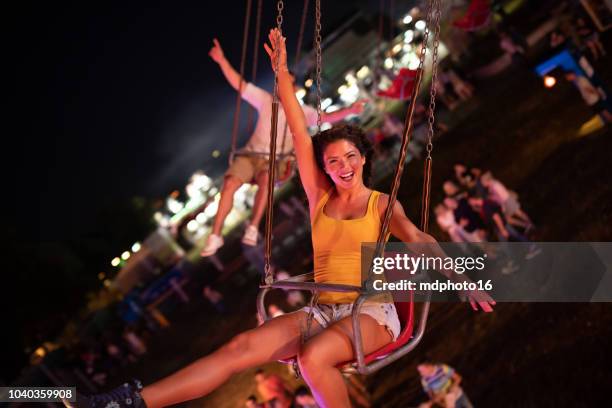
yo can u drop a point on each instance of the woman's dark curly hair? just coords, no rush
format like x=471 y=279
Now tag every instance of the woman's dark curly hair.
x=349 y=133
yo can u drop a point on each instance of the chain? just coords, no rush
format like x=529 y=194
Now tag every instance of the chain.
x=379 y=64
x=268 y=275
x=408 y=125
x=256 y=46
x=434 y=76
x=298 y=51
x=279 y=17
x=317 y=39
x=425 y=39
x=298 y=54
x=279 y=23
x=433 y=22
x=236 y=123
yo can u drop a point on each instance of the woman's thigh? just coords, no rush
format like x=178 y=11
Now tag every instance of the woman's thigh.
x=277 y=339
x=334 y=344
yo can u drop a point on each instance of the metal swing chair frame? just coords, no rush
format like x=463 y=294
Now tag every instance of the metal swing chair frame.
x=407 y=340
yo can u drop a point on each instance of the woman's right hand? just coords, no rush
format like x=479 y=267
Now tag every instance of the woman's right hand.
x=277 y=50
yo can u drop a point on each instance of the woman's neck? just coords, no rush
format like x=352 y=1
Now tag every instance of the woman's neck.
x=351 y=193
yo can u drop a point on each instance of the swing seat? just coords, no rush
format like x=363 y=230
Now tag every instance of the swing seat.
x=402 y=85
x=405 y=342
x=405 y=313
x=477 y=16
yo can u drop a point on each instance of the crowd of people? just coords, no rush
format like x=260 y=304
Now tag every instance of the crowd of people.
x=578 y=35
x=479 y=208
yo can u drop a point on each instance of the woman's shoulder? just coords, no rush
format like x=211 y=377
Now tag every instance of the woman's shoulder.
x=320 y=200
x=382 y=201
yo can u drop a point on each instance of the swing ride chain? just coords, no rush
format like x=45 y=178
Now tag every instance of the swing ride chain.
x=279 y=17
x=298 y=54
x=255 y=59
x=314 y=300
x=403 y=150
x=298 y=51
x=434 y=77
x=378 y=65
x=241 y=82
x=317 y=38
x=268 y=277
x=434 y=19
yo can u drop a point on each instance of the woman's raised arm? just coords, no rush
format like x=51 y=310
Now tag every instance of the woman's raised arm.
x=313 y=179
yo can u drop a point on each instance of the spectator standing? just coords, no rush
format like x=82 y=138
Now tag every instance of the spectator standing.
x=442 y=384
x=591 y=96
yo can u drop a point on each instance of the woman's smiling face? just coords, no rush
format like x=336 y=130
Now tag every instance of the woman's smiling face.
x=343 y=163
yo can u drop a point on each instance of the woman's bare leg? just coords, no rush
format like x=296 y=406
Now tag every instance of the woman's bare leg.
x=320 y=355
x=278 y=338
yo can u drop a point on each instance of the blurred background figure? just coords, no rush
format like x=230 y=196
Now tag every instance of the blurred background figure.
x=304 y=399
x=273 y=390
x=251 y=402
x=441 y=383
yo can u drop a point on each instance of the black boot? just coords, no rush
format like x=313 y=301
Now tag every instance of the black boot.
x=124 y=396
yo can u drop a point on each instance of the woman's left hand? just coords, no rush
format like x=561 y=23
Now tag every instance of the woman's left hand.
x=277 y=49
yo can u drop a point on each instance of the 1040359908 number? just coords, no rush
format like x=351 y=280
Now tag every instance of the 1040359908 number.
x=37 y=394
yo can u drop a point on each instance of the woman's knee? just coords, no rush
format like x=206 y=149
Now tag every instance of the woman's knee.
x=311 y=359
x=308 y=360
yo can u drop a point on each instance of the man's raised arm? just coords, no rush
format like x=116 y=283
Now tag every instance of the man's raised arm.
x=233 y=77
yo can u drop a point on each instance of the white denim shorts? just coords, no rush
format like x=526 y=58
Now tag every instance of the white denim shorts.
x=384 y=313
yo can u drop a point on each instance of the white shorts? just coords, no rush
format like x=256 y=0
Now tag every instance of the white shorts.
x=384 y=313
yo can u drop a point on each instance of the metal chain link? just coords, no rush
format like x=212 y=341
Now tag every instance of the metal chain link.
x=433 y=22
x=425 y=41
x=434 y=76
x=408 y=125
x=279 y=18
x=317 y=39
x=268 y=276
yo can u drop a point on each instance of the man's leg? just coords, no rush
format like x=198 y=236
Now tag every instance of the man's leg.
x=230 y=185
x=226 y=202
x=260 y=198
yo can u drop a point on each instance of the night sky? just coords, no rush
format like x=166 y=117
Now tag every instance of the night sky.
x=105 y=102
x=120 y=99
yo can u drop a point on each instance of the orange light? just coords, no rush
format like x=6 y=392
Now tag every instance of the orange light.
x=549 y=81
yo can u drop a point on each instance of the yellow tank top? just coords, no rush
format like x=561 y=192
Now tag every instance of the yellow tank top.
x=337 y=247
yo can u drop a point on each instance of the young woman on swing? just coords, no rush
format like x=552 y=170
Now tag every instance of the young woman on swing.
x=344 y=213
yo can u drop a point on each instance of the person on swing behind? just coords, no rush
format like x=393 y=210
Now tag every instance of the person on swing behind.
x=251 y=165
x=332 y=166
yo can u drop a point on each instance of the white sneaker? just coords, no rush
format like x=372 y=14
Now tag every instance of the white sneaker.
x=250 y=236
x=533 y=252
x=509 y=268
x=213 y=243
